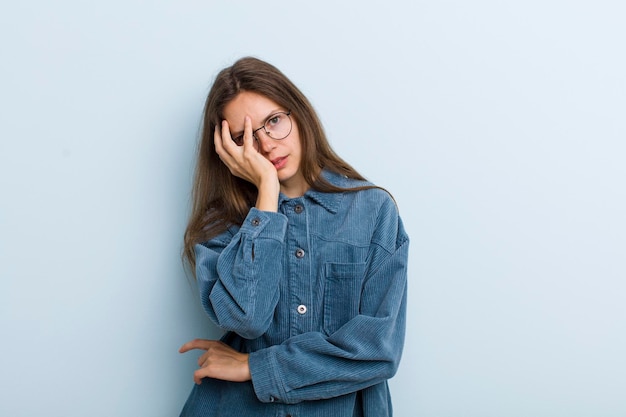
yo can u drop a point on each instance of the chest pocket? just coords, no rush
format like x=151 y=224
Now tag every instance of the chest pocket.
x=342 y=294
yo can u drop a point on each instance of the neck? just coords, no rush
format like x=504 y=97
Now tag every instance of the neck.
x=293 y=189
x=293 y=193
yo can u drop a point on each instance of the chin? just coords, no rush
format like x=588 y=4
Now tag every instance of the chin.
x=285 y=175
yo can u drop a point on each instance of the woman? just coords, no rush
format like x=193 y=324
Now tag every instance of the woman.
x=299 y=259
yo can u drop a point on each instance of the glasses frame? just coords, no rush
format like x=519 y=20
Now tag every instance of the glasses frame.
x=239 y=139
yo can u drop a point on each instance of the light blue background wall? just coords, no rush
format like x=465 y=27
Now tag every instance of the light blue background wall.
x=499 y=126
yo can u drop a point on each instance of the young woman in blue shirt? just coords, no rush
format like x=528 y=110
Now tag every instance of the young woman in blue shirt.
x=300 y=260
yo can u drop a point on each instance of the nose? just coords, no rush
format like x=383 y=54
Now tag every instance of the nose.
x=266 y=143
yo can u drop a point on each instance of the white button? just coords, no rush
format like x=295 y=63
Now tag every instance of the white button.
x=301 y=309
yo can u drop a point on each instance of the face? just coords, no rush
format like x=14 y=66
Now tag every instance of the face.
x=284 y=154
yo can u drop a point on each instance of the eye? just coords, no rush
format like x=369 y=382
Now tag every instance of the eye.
x=238 y=140
x=274 y=120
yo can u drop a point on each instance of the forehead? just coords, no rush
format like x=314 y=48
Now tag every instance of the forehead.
x=246 y=103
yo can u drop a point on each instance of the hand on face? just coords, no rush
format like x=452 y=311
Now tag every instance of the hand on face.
x=243 y=161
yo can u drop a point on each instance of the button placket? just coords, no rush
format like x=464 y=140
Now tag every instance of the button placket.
x=299 y=267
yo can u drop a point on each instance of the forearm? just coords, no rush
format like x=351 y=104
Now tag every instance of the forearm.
x=239 y=282
x=312 y=366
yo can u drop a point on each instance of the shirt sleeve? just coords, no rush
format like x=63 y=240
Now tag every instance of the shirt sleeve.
x=238 y=274
x=365 y=351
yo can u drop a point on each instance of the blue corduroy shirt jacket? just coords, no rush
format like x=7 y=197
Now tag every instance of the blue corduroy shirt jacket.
x=316 y=294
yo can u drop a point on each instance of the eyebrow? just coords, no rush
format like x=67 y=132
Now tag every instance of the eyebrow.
x=270 y=114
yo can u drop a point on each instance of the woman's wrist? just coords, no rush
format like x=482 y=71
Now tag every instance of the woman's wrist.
x=267 y=198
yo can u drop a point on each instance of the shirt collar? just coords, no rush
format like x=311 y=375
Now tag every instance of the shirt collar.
x=330 y=201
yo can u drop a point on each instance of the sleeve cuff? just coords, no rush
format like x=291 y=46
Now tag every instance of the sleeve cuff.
x=266 y=385
x=264 y=223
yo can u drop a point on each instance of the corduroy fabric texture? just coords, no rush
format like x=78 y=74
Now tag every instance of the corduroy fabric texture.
x=316 y=293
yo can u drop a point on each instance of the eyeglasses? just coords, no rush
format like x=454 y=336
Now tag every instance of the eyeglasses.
x=277 y=126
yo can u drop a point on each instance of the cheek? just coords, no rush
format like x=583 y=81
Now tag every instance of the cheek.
x=297 y=149
x=297 y=142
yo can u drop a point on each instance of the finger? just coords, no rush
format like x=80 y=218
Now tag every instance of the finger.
x=206 y=370
x=205 y=358
x=199 y=374
x=224 y=366
x=217 y=140
x=224 y=145
x=215 y=349
x=248 y=138
x=203 y=344
x=227 y=140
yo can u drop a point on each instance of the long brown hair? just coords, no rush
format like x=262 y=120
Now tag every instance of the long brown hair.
x=219 y=199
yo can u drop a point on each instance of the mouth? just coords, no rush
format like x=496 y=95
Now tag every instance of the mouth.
x=279 y=162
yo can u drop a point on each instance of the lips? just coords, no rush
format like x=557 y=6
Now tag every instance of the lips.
x=279 y=162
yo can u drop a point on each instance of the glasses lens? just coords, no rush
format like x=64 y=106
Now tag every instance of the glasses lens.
x=278 y=126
